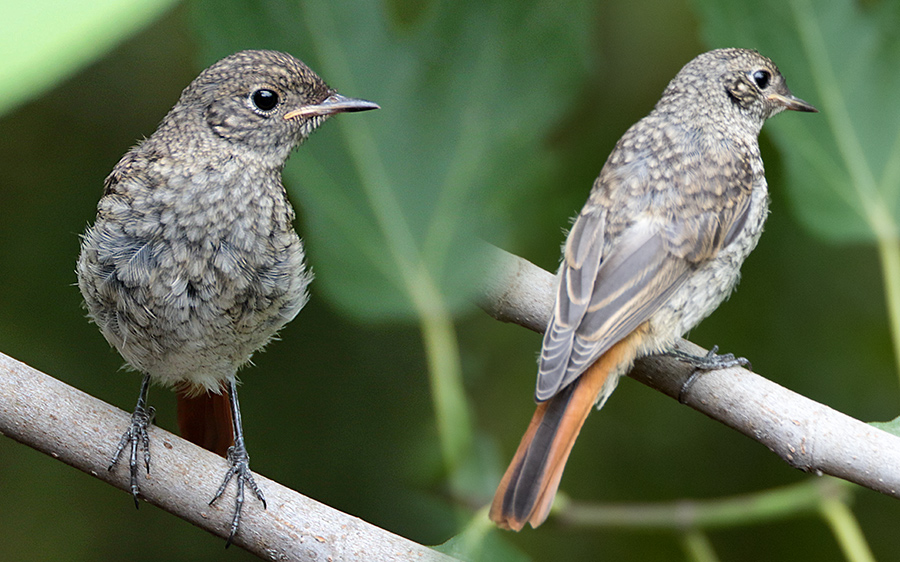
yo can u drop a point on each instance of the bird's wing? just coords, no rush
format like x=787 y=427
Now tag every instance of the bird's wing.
x=601 y=299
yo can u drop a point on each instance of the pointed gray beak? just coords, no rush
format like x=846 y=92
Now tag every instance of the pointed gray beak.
x=335 y=103
x=792 y=102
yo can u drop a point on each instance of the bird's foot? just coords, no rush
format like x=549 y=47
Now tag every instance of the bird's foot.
x=703 y=363
x=711 y=361
x=136 y=436
x=240 y=471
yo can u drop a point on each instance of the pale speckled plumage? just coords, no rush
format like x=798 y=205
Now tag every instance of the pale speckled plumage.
x=193 y=262
x=678 y=206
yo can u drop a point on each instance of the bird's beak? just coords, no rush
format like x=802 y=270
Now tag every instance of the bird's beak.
x=335 y=103
x=789 y=101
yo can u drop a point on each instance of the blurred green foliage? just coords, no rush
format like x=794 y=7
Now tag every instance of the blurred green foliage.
x=45 y=41
x=466 y=89
x=497 y=117
x=844 y=168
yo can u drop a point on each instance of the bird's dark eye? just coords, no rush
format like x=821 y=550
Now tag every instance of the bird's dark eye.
x=761 y=78
x=264 y=99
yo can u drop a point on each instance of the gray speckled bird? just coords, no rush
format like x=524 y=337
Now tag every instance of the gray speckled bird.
x=678 y=206
x=193 y=263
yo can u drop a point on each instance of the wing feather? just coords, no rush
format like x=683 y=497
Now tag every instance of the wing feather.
x=619 y=269
x=623 y=292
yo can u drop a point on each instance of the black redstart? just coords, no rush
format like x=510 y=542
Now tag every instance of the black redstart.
x=678 y=206
x=193 y=263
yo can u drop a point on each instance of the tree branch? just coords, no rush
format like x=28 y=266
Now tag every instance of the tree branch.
x=80 y=430
x=805 y=434
x=69 y=425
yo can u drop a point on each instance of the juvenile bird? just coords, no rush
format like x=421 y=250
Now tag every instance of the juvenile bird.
x=678 y=206
x=193 y=263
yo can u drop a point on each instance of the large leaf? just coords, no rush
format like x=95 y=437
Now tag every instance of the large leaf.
x=45 y=41
x=843 y=166
x=391 y=199
x=481 y=541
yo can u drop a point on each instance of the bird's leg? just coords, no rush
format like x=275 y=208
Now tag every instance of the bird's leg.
x=703 y=363
x=137 y=437
x=240 y=466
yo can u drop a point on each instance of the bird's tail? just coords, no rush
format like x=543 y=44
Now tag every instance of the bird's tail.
x=205 y=420
x=528 y=487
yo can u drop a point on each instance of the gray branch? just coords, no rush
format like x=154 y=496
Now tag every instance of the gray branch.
x=805 y=434
x=69 y=425
x=80 y=430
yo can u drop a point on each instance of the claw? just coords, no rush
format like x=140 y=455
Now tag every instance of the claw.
x=136 y=436
x=240 y=468
x=240 y=471
x=710 y=362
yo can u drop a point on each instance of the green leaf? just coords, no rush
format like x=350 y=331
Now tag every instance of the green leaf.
x=392 y=199
x=892 y=426
x=843 y=165
x=44 y=41
x=481 y=541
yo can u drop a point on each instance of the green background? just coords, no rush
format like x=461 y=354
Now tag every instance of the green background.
x=497 y=117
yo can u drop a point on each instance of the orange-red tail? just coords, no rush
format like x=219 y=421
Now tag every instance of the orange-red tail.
x=526 y=492
x=206 y=420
